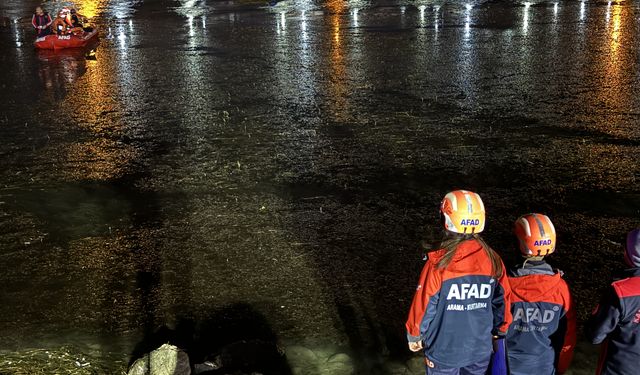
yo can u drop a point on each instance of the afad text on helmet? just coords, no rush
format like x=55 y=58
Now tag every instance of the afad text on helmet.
x=470 y=222
x=546 y=242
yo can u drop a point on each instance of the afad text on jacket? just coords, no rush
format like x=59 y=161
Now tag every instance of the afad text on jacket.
x=457 y=309
x=542 y=336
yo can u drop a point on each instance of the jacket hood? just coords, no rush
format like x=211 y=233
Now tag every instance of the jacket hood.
x=629 y=272
x=534 y=280
x=464 y=249
x=467 y=248
x=632 y=248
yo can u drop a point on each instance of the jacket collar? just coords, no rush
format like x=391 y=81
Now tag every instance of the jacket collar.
x=537 y=267
x=629 y=272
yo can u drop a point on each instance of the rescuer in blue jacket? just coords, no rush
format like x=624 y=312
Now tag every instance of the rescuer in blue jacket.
x=462 y=298
x=616 y=320
x=542 y=336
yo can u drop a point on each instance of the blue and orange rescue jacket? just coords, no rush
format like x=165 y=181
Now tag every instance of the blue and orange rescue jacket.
x=616 y=322
x=542 y=336
x=457 y=309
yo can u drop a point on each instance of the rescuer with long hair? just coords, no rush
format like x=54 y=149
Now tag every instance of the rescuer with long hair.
x=462 y=299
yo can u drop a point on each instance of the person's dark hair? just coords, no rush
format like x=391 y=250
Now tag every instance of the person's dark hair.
x=451 y=241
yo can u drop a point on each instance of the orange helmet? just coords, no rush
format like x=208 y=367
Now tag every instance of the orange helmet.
x=463 y=212
x=536 y=235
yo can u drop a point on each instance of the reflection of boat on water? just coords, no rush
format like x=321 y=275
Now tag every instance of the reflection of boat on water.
x=51 y=56
x=55 y=42
x=61 y=67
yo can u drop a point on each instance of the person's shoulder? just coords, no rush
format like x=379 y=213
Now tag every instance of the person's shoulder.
x=627 y=287
x=435 y=256
x=563 y=287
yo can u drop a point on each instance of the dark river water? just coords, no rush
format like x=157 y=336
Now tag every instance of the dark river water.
x=219 y=171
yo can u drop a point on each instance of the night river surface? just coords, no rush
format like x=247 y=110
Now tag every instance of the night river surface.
x=236 y=176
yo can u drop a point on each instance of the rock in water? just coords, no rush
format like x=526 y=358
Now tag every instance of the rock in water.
x=166 y=360
x=339 y=357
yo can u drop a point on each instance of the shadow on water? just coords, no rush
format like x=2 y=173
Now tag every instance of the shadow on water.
x=146 y=255
x=234 y=339
x=367 y=234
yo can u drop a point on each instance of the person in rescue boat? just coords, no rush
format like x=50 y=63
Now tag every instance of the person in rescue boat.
x=61 y=25
x=542 y=336
x=76 y=18
x=41 y=21
x=616 y=320
x=462 y=299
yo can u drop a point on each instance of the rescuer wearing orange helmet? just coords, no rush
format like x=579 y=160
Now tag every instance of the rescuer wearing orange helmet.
x=542 y=335
x=463 y=295
x=62 y=25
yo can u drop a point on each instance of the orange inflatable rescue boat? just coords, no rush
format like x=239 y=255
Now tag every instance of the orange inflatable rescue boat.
x=67 y=41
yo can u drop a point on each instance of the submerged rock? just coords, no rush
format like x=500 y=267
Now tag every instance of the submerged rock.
x=304 y=361
x=300 y=354
x=338 y=364
x=337 y=368
x=339 y=357
x=166 y=360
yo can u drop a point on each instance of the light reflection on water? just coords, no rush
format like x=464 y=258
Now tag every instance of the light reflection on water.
x=525 y=17
x=467 y=21
x=612 y=69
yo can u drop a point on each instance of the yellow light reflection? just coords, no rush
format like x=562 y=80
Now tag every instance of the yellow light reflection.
x=612 y=66
x=611 y=62
x=336 y=6
x=615 y=32
x=98 y=159
x=90 y=8
x=337 y=87
x=95 y=108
